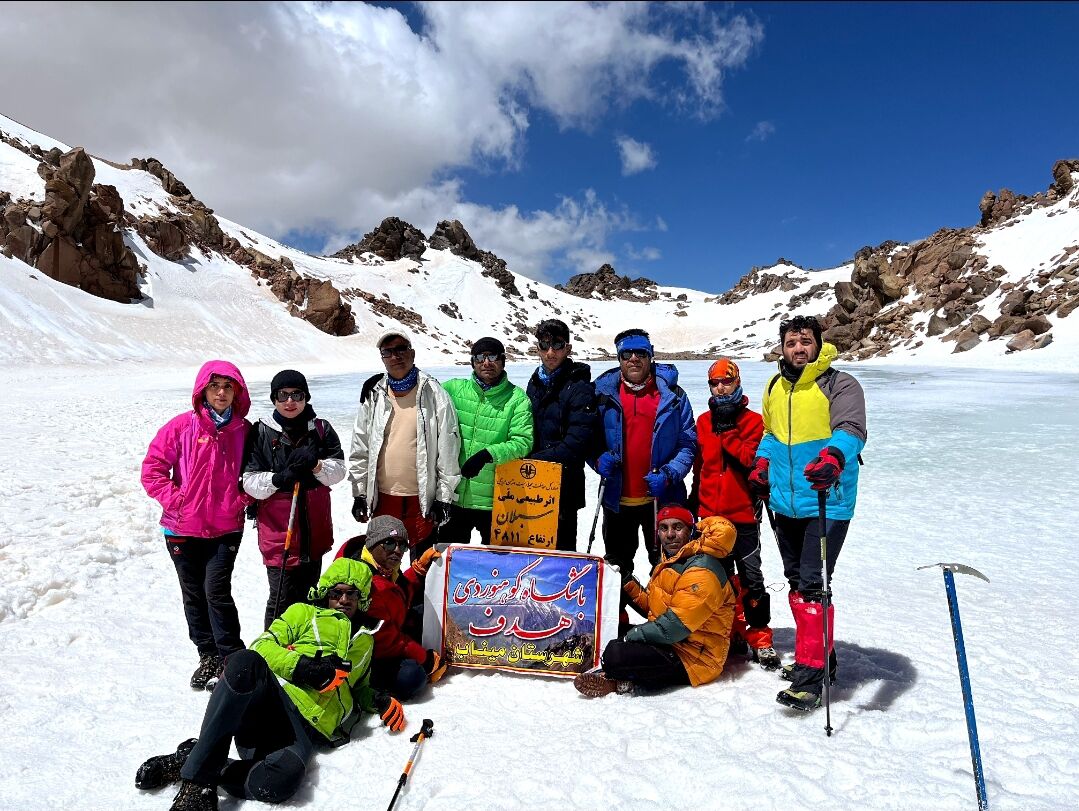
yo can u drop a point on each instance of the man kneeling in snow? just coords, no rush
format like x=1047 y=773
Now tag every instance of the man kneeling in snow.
x=323 y=652
x=689 y=606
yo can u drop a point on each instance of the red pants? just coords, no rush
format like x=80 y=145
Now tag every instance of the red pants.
x=407 y=508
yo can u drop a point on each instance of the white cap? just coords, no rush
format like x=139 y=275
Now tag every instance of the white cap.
x=392 y=333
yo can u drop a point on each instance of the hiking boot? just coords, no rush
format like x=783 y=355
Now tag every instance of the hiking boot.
x=160 y=770
x=802 y=700
x=209 y=666
x=211 y=682
x=596 y=683
x=739 y=647
x=194 y=797
x=767 y=658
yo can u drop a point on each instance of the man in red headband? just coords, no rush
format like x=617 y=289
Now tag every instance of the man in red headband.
x=727 y=438
x=689 y=606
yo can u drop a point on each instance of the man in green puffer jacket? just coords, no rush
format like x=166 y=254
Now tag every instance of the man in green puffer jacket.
x=495 y=421
x=322 y=649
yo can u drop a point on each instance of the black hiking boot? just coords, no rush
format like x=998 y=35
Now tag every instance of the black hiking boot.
x=787 y=671
x=767 y=658
x=739 y=647
x=160 y=770
x=211 y=683
x=802 y=700
x=209 y=666
x=194 y=797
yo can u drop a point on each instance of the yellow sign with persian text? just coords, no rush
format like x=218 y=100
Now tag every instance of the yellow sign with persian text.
x=525 y=509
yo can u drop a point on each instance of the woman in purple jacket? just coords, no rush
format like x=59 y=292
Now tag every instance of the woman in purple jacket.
x=193 y=468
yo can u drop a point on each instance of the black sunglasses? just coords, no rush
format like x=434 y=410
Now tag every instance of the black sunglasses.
x=626 y=354
x=557 y=346
x=344 y=594
x=391 y=543
x=394 y=351
x=486 y=356
x=285 y=396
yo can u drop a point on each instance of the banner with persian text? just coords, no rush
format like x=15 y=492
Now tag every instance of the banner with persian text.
x=525 y=610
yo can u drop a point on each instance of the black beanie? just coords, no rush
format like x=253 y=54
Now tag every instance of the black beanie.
x=489 y=345
x=288 y=379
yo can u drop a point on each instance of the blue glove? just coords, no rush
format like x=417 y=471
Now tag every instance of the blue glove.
x=657 y=483
x=608 y=464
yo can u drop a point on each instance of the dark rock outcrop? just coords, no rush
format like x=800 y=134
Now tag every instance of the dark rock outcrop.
x=393 y=239
x=607 y=284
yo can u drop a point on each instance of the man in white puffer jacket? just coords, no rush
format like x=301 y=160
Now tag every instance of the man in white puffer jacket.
x=403 y=461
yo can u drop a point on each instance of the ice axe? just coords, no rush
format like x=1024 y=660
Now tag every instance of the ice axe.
x=964 y=674
x=426 y=731
x=595 y=518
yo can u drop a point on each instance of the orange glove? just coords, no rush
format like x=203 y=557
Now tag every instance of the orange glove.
x=425 y=560
x=434 y=666
x=391 y=712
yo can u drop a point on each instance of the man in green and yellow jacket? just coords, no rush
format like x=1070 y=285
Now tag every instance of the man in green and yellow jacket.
x=495 y=421
x=322 y=650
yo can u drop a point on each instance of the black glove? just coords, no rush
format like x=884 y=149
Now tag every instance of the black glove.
x=474 y=464
x=284 y=480
x=440 y=512
x=252 y=511
x=315 y=671
x=303 y=459
x=359 y=509
x=724 y=417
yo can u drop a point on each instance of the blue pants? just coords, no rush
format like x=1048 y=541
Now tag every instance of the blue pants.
x=204 y=567
x=274 y=740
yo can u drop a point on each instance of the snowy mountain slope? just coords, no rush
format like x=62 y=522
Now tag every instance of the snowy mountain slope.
x=208 y=304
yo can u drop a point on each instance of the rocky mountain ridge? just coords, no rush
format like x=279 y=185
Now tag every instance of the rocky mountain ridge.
x=891 y=298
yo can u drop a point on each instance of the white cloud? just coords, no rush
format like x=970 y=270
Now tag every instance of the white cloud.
x=762 y=132
x=645 y=254
x=636 y=156
x=320 y=117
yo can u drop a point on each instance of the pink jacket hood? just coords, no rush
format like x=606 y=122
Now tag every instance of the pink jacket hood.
x=240 y=405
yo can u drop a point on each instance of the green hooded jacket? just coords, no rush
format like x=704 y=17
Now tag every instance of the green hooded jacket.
x=304 y=630
x=500 y=420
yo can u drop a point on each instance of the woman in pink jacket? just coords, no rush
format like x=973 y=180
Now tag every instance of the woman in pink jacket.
x=193 y=469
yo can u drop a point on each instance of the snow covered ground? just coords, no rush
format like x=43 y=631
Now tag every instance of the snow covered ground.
x=974 y=466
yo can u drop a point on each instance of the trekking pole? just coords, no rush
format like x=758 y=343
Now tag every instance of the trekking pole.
x=964 y=674
x=595 y=518
x=284 y=554
x=826 y=599
x=426 y=731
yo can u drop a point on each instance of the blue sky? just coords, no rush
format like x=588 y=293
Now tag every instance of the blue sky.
x=801 y=130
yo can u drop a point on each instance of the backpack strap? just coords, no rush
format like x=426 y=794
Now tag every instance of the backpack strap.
x=772 y=383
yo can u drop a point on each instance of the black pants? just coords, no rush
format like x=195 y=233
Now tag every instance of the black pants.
x=401 y=677
x=799 y=546
x=652 y=667
x=293 y=587
x=567 y=532
x=274 y=741
x=746 y=556
x=204 y=568
x=462 y=521
x=620 y=534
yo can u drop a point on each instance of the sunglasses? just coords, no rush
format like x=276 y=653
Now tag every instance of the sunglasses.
x=285 y=396
x=557 y=346
x=722 y=381
x=391 y=544
x=626 y=354
x=343 y=594
x=483 y=357
x=394 y=351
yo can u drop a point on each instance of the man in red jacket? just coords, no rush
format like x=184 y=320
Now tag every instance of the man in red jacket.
x=727 y=438
x=401 y=665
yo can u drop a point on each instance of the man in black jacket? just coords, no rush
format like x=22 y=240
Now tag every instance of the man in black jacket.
x=565 y=423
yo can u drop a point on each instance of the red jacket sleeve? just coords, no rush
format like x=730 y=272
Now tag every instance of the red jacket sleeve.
x=388 y=605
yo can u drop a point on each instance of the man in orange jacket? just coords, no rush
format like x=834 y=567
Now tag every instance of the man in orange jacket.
x=689 y=606
x=727 y=438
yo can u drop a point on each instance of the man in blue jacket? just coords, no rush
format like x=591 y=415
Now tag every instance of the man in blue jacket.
x=650 y=440
x=564 y=419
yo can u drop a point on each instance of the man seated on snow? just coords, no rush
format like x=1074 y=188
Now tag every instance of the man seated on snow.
x=689 y=606
x=322 y=650
x=401 y=664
